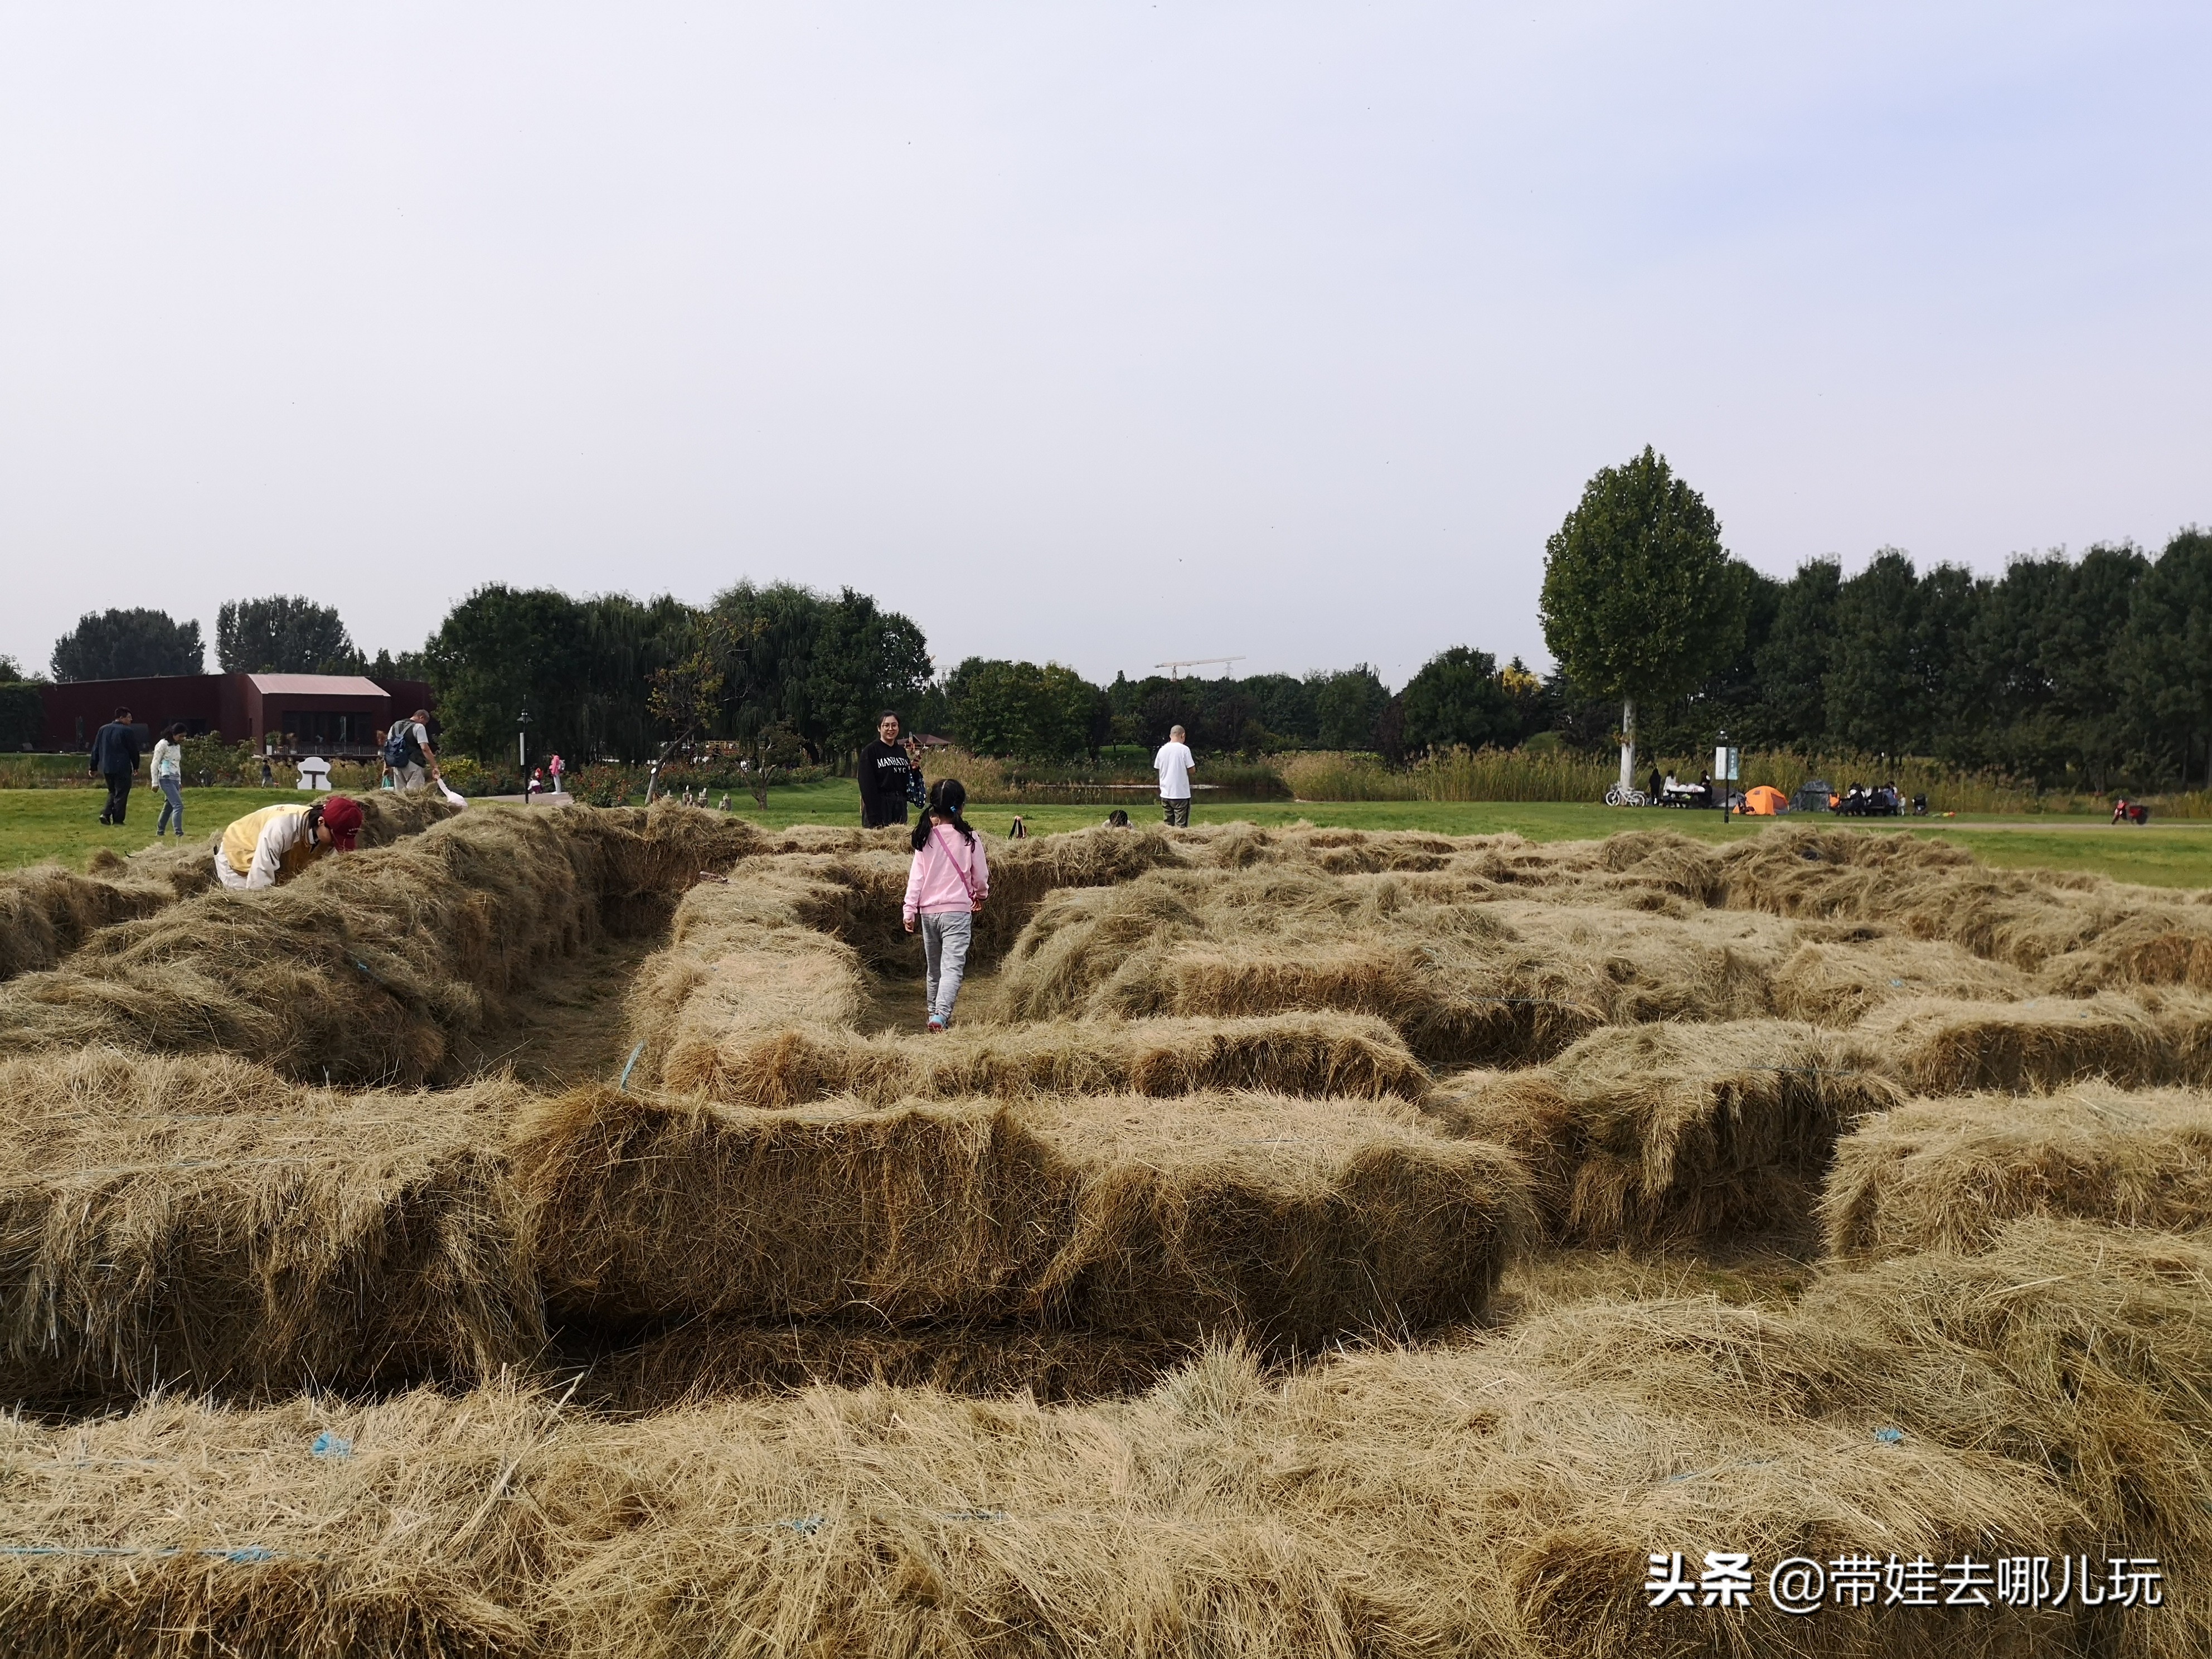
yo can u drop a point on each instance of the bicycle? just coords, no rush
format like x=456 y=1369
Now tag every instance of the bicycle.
x=1631 y=796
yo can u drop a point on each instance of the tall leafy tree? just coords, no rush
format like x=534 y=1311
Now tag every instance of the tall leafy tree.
x=1348 y=706
x=1874 y=699
x=1793 y=660
x=1024 y=712
x=1459 y=698
x=582 y=668
x=2166 y=657
x=1639 y=597
x=121 y=645
x=283 y=634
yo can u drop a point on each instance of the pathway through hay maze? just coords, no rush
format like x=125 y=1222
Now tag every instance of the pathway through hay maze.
x=551 y=1233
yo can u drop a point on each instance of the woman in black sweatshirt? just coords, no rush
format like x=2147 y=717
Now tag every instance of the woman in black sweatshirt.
x=884 y=765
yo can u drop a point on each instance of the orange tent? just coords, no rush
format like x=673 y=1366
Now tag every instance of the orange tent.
x=1764 y=800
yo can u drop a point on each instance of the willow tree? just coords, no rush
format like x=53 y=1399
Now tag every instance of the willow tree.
x=1640 y=599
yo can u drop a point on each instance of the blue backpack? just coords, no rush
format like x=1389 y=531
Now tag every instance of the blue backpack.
x=400 y=748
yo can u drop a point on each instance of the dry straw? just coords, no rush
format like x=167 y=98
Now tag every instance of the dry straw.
x=700 y=1360
x=2082 y=933
x=1460 y=973
x=1319 y=1055
x=1669 y=1132
x=369 y=965
x=1951 y=1173
x=1501 y=1497
x=1291 y=1221
x=200 y=1224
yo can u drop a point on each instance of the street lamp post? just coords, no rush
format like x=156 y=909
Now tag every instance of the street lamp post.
x=522 y=742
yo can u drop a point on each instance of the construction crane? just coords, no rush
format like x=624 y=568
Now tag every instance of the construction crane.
x=1196 y=662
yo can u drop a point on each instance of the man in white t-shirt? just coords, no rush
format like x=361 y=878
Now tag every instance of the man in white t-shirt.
x=1173 y=763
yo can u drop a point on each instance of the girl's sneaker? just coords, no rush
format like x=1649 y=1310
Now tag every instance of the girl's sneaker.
x=935 y=1024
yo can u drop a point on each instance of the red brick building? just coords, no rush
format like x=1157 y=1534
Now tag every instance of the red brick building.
x=332 y=715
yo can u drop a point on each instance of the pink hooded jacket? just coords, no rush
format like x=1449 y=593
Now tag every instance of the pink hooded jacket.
x=947 y=874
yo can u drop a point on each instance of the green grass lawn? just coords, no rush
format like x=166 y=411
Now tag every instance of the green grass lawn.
x=37 y=825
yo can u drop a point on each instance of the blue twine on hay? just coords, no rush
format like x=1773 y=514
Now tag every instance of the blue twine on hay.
x=1889 y=1437
x=327 y=1444
x=623 y=1086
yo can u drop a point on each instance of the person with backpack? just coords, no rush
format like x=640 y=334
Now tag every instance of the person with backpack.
x=408 y=751
x=945 y=886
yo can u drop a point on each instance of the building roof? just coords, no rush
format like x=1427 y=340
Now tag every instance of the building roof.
x=316 y=685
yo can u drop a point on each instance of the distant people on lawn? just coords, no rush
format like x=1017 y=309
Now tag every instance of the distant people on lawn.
x=555 y=766
x=945 y=886
x=276 y=843
x=1174 y=764
x=114 y=759
x=887 y=769
x=167 y=770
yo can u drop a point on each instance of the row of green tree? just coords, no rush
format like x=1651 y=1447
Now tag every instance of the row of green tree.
x=2087 y=673
x=1028 y=712
x=283 y=634
x=2090 y=673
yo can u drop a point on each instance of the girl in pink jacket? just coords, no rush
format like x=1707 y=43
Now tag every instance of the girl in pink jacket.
x=945 y=885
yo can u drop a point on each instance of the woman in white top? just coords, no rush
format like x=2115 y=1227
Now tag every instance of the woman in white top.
x=169 y=778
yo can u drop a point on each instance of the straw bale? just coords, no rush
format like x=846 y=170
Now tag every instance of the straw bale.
x=47 y=912
x=1841 y=973
x=1501 y=1495
x=2082 y=1349
x=199 y=1222
x=1461 y=978
x=1951 y=1173
x=740 y=966
x=1319 y=1055
x=1293 y=1220
x=368 y=966
x=1936 y=1046
x=700 y=1360
x=1668 y=1132
x=2083 y=932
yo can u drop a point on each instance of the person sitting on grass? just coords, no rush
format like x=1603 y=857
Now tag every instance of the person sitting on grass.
x=945 y=885
x=276 y=843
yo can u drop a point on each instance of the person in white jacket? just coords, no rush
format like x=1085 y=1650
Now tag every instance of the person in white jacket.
x=945 y=886
x=278 y=843
x=167 y=767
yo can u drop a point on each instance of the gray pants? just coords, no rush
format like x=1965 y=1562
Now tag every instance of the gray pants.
x=409 y=776
x=1176 y=809
x=172 y=793
x=945 y=936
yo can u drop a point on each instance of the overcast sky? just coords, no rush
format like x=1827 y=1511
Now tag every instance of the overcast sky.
x=1105 y=334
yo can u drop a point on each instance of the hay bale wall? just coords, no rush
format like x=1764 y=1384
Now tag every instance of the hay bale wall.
x=1320 y=1055
x=369 y=964
x=1951 y=1173
x=1497 y=1497
x=200 y=1224
x=1291 y=1221
x=1652 y=1134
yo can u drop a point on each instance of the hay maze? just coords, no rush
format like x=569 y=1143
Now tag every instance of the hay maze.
x=549 y=1233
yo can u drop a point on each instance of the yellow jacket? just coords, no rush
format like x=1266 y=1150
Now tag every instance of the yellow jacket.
x=270 y=845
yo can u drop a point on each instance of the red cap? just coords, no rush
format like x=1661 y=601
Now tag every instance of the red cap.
x=342 y=817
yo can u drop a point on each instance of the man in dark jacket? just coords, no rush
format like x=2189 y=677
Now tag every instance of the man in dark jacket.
x=884 y=766
x=115 y=757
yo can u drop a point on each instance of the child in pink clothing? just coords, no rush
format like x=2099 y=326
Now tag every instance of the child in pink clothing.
x=945 y=885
